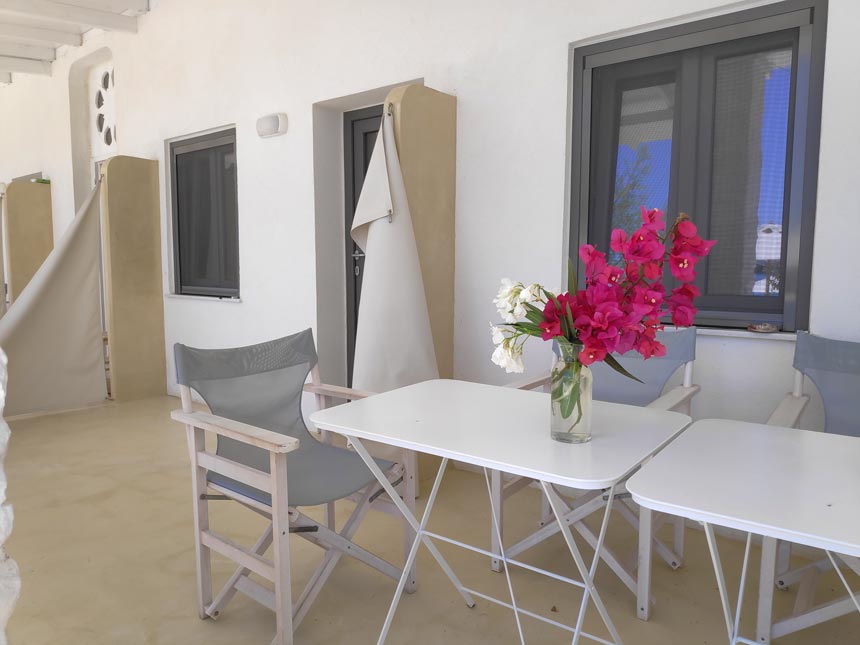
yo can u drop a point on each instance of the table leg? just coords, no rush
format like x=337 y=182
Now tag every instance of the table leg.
x=418 y=527
x=590 y=591
x=765 y=592
x=732 y=623
x=844 y=581
x=643 y=574
x=501 y=552
x=497 y=494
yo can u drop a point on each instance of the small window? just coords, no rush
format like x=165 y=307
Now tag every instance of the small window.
x=205 y=215
x=719 y=119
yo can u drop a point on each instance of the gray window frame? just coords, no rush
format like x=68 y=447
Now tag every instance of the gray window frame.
x=182 y=146
x=809 y=18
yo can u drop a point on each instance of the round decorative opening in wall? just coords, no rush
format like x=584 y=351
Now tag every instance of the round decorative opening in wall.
x=105 y=113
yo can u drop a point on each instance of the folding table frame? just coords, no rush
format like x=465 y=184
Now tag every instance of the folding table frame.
x=423 y=536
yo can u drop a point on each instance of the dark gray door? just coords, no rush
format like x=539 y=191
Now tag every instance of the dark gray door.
x=360 y=128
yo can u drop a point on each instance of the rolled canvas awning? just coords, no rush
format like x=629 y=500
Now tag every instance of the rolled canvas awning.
x=52 y=334
x=394 y=344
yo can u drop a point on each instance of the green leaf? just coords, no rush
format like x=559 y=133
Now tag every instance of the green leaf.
x=528 y=327
x=533 y=314
x=614 y=364
x=567 y=402
x=571 y=276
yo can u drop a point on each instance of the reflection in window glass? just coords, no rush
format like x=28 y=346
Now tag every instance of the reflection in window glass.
x=644 y=154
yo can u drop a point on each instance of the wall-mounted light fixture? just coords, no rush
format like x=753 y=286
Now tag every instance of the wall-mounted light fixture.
x=272 y=125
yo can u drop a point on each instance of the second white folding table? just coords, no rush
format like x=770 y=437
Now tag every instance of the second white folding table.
x=507 y=430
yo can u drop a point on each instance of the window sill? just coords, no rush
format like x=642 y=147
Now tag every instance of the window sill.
x=179 y=296
x=743 y=333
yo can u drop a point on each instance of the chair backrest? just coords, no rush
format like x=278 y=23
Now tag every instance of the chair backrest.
x=834 y=367
x=259 y=384
x=655 y=372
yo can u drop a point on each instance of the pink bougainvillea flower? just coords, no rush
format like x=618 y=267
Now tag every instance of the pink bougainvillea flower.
x=653 y=270
x=610 y=275
x=594 y=260
x=647 y=299
x=644 y=246
x=683 y=266
x=551 y=325
x=649 y=347
x=682 y=315
x=684 y=294
x=686 y=228
x=591 y=354
x=618 y=241
x=653 y=219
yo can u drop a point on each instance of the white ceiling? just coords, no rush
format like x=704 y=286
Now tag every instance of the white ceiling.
x=32 y=30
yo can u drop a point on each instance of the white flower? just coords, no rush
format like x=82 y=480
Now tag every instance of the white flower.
x=506 y=299
x=519 y=311
x=500 y=356
x=515 y=361
x=498 y=334
x=509 y=356
x=530 y=293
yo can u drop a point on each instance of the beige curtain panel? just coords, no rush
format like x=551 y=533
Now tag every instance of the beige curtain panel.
x=52 y=333
x=394 y=344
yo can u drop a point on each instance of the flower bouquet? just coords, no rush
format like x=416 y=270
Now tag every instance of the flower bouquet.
x=619 y=310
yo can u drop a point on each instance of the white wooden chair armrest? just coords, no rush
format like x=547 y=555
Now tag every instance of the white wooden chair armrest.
x=788 y=411
x=674 y=398
x=252 y=435
x=337 y=392
x=530 y=383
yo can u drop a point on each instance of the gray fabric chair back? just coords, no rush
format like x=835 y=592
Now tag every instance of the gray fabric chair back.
x=259 y=384
x=834 y=367
x=611 y=386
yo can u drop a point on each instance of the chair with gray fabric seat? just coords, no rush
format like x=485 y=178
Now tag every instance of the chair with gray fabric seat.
x=268 y=461
x=833 y=367
x=611 y=386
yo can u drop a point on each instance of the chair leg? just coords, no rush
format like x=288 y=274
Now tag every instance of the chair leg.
x=197 y=444
x=330 y=517
x=497 y=520
x=679 y=534
x=229 y=590
x=783 y=563
x=281 y=550
x=409 y=487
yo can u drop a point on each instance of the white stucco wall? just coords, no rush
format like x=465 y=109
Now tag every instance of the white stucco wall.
x=199 y=64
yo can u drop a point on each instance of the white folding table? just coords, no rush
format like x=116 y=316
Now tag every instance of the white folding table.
x=507 y=430
x=780 y=483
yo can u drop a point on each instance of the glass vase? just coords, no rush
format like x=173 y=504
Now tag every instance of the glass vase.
x=571 y=397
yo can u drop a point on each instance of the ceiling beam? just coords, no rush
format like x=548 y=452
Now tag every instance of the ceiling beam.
x=24 y=65
x=5 y=77
x=113 y=6
x=27 y=51
x=39 y=35
x=57 y=12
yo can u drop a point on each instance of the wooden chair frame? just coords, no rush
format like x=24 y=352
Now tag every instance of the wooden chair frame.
x=283 y=518
x=776 y=571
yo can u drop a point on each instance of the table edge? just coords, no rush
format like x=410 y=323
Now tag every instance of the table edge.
x=765 y=530
x=579 y=484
